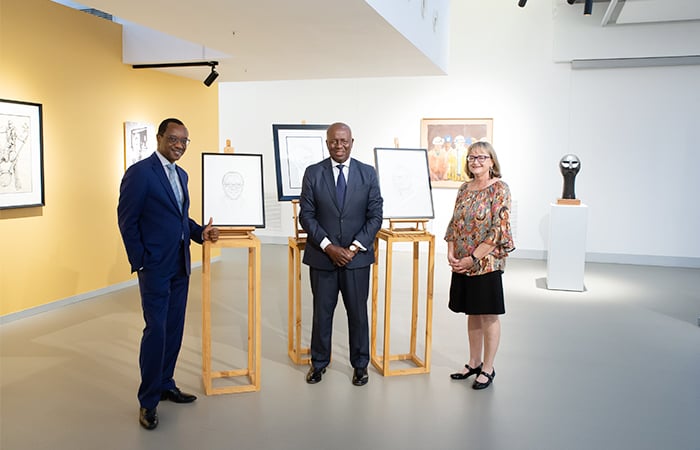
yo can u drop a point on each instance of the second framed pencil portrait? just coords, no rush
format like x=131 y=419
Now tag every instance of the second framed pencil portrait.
x=404 y=182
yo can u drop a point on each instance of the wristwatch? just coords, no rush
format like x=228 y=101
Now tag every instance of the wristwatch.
x=354 y=248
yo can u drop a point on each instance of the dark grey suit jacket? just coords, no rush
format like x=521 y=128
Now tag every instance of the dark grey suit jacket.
x=360 y=219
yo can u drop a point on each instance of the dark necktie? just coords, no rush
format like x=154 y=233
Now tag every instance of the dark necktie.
x=340 y=186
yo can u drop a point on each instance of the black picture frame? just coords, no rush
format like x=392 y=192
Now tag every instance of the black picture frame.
x=21 y=155
x=233 y=193
x=296 y=147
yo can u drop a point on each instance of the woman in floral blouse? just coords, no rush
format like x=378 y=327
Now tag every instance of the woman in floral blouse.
x=479 y=239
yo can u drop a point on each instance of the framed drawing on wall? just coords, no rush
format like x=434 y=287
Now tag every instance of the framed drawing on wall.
x=21 y=155
x=296 y=148
x=447 y=141
x=139 y=142
x=232 y=190
x=404 y=182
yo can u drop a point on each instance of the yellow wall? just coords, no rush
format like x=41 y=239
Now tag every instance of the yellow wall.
x=70 y=62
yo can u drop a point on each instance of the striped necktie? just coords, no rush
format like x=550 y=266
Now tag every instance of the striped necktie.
x=175 y=184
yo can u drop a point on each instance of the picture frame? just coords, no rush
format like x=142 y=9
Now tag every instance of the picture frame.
x=447 y=141
x=232 y=190
x=404 y=181
x=296 y=148
x=21 y=154
x=139 y=142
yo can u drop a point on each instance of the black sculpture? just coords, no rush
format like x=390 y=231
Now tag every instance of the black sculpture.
x=569 y=166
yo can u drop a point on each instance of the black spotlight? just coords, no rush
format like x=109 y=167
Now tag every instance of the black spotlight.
x=588 y=8
x=570 y=2
x=521 y=3
x=211 y=77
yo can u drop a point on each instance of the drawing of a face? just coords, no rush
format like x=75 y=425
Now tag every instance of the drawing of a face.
x=232 y=183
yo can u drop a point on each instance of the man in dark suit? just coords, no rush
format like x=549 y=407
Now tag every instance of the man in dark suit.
x=154 y=222
x=341 y=211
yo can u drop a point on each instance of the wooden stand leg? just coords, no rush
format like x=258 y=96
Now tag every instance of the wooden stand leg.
x=294 y=349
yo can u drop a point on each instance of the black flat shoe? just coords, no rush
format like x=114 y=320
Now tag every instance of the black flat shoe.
x=490 y=377
x=359 y=376
x=148 y=418
x=177 y=396
x=470 y=372
x=314 y=376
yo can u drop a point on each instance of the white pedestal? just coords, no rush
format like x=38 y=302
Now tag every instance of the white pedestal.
x=567 y=247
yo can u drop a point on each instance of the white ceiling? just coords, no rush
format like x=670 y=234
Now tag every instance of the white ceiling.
x=256 y=40
x=276 y=39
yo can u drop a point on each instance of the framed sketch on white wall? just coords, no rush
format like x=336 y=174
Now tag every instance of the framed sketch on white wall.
x=21 y=155
x=296 y=148
x=404 y=181
x=232 y=190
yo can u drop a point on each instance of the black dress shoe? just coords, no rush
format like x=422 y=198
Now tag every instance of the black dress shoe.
x=313 y=376
x=177 y=396
x=359 y=376
x=490 y=376
x=468 y=373
x=148 y=418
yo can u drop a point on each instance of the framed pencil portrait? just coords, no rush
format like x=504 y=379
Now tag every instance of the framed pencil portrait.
x=404 y=182
x=21 y=155
x=232 y=190
x=296 y=148
x=447 y=141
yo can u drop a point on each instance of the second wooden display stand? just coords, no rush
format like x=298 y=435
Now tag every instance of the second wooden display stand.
x=415 y=235
x=237 y=238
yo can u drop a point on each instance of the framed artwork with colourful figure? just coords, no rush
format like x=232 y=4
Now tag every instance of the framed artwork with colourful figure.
x=447 y=141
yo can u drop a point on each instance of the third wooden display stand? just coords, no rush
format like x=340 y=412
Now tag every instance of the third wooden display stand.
x=415 y=234
x=237 y=238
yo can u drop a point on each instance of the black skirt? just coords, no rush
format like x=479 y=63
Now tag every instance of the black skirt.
x=480 y=294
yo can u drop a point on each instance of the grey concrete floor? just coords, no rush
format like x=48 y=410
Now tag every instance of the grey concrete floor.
x=614 y=367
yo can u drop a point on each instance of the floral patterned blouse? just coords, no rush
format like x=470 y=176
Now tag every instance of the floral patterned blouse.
x=482 y=216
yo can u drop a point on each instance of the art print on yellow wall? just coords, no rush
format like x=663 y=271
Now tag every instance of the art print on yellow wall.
x=139 y=142
x=21 y=155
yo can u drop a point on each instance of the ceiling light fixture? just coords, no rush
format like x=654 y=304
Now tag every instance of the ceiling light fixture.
x=521 y=3
x=212 y=76
x=207 y=81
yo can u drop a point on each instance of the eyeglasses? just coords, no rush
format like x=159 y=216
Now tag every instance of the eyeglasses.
x=175 y=140
x=480 y=158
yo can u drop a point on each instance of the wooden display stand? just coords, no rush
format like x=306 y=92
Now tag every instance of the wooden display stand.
x=398 y=232
x=296 y=246
x=237 y=238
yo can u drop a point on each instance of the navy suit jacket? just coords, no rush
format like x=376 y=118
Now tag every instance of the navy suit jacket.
x=150 y=220
x=360 y=219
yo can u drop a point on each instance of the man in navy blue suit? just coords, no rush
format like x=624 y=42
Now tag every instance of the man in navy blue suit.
x=154 y=222
x=341 y=212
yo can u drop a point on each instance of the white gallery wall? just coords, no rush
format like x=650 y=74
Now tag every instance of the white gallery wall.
x=635 y=131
